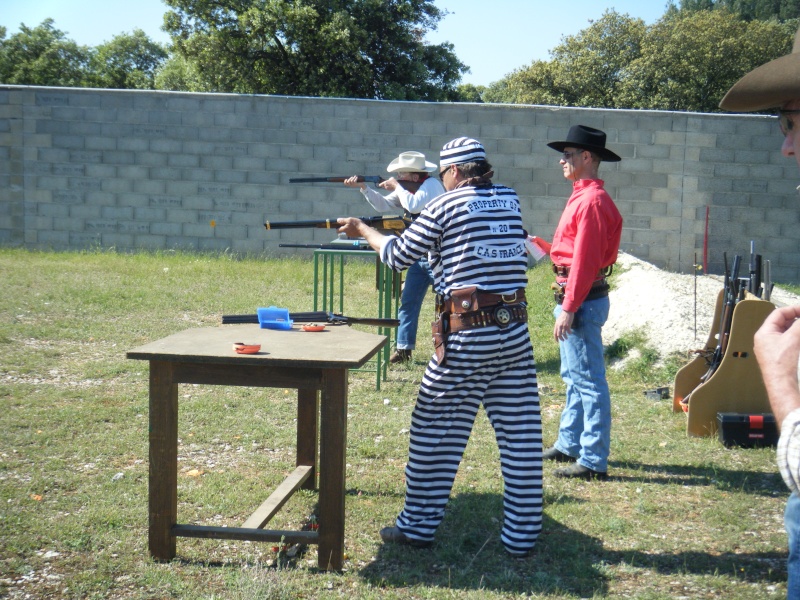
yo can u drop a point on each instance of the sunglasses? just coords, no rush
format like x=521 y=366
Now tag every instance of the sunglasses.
x=568 y=155
x=442 y=172
x=784 y=122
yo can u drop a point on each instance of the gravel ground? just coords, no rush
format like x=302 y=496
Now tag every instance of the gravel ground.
x=662 y=304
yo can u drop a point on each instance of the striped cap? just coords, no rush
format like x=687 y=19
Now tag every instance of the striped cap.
x=461 y=150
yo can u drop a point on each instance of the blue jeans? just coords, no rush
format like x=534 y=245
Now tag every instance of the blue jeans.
x=791 y=520
x=418 y=279
x=585 y=428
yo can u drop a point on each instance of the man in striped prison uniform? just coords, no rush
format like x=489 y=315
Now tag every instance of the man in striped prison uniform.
x=474 y=238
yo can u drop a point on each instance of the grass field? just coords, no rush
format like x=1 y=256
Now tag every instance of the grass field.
x=680 y=517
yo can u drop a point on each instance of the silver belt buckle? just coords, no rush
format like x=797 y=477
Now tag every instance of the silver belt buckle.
x=502 y=316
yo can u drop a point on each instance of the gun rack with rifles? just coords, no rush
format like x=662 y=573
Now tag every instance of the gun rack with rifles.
x=724 y=376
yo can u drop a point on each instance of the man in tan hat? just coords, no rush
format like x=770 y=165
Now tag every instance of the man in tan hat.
x=411 y=189
x=777 y=343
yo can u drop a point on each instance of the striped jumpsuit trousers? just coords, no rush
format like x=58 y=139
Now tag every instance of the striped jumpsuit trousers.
x=490 y=366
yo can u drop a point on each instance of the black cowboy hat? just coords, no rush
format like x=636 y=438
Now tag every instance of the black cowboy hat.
x=587 y=138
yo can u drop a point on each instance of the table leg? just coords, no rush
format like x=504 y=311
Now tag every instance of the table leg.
x=163 y=483
x=316 y=280
x=333 y=442
x=307 y=433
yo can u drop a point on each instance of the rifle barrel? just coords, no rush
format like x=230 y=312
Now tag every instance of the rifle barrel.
x=316 y=224
x=353 y=246
x=379 y=222
x=337 y=179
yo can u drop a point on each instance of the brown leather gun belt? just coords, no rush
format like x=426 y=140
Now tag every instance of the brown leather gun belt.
x=501 y=315
x=482 y=309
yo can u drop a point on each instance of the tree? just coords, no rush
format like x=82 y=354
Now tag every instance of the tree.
x=178 y=75
x=685 y=61
x=346 y=48
x=535 y=84
x=586 y=69
x=128 y=61
x=468 y=92
x=42 y=56
x=748 y=10
x=689 y=60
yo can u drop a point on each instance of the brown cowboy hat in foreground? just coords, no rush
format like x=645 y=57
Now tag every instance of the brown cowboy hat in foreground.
x=768 y=86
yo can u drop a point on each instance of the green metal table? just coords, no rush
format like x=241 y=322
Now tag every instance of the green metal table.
x=329 y=288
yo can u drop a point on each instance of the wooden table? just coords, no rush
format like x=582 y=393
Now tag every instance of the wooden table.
x=316 y=364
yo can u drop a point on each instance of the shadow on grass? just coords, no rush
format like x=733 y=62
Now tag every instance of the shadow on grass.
x=551 y=367
x=752 y=482
x=467 y=555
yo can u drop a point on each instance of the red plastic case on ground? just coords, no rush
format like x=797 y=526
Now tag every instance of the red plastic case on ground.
x=747 y=430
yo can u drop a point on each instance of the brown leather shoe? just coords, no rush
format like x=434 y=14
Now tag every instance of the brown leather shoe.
x=577 y=471
x=400 y=356
x=393 y=534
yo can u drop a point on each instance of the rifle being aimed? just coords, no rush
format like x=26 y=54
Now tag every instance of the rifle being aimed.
x=353 y=246
x=316 y=317
x=411 y=186
x=394 y=224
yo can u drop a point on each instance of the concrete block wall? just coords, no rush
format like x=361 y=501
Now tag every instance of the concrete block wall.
x=161 y=170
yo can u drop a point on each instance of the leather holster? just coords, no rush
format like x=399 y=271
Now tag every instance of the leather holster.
x=439 y=329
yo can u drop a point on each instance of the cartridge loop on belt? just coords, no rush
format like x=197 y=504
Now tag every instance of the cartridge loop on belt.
x=470 y=308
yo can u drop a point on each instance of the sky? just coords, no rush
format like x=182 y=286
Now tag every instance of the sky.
x=492 y=37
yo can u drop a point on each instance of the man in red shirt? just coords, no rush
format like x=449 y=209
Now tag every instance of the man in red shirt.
x=584 y=248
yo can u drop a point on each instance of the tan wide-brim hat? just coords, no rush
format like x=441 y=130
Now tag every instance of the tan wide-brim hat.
x=769 y=86
x=411 y=162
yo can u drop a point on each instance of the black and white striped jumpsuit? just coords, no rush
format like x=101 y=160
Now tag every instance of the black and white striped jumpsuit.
x=474 y=236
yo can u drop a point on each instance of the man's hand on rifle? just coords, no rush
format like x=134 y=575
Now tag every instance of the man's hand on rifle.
x=352 y=227
x=389 y=185
x=412 y=182
x=353 y=182
x=355 y=228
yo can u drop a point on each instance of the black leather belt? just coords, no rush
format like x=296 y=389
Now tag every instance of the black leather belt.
x=599 y=289
x=563 y=271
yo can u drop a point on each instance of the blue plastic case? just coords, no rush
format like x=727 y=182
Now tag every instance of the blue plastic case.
x=274 y=318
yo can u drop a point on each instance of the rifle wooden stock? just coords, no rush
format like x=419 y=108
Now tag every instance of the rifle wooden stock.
x=380 y=222
x=317 y=317
x=411 y=186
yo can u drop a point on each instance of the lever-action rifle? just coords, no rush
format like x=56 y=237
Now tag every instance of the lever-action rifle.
x=356 y=246
x=316 y=317
x=379 y=222
x=411 y=186
x=732 y=286
x=731 y=293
